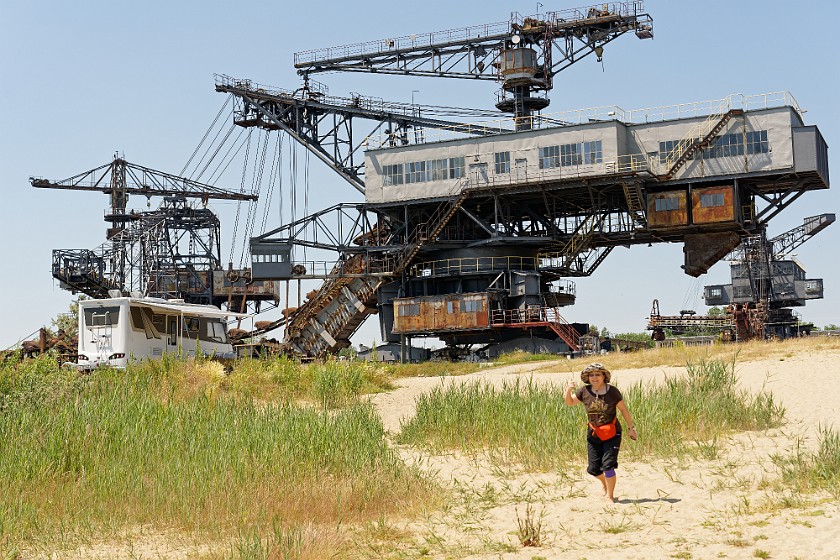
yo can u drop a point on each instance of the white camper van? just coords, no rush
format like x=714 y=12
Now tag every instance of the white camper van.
x=115 y=331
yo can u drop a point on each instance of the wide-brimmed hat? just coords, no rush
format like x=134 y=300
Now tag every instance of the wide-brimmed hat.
x=584 y=375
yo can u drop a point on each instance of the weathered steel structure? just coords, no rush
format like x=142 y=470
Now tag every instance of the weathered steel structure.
x=471 y=232
x=172 y=252
x=767 y=282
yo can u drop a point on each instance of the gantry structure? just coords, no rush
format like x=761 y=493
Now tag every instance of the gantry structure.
x=472 y=232
x=171 y=252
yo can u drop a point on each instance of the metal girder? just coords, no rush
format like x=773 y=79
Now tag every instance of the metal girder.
x=475 y=52
x=329 y=126
x=788 y=241
x=776 y=201
x=129 y=178
x=339 y=228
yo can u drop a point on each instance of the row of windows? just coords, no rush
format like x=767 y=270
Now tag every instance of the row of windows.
x=422 y=171
x=465 y=306
x=728 y=145
x=409 y=310
x=270 y=258
x=666 y=204
x=711 y=200
x=706 y=201
x=580 y=153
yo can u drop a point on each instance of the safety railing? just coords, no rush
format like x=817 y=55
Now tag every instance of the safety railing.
x=391 y=44
x=690 y=110
x=319 y=94
x=532 y=314
x=469 y=265
x=461 y=34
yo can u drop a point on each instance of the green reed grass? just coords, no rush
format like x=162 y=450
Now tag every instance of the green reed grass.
x=159 y=445
x=529 y=424
x=804 y=470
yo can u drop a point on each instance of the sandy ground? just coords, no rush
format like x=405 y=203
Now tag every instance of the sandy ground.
x=721 y=508
x=724 y=508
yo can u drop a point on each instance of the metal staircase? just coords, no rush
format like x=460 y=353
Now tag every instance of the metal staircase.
x=429 y=231
x=686 y=148
x=562 y=328
x=577 y=244
x=326 y=321
x=635 y=202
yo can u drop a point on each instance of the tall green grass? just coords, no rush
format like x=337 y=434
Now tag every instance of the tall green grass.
x=805 y=471
x=161 y=445
x=529 y=424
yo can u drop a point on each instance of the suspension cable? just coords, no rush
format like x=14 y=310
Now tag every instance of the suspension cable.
x=241 y=190
x=272 y=181
x=206 y=134
x=256 y=187
x=229 y=156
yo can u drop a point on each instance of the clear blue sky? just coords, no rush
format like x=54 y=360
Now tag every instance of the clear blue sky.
x=81 y=80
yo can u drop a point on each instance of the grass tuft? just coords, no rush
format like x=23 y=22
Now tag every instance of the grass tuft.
x=529 y=424
x=180 y=444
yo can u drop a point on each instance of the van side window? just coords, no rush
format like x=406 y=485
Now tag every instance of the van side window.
x=213 y=331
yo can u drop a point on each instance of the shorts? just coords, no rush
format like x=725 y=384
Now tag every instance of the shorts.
x=602 y=455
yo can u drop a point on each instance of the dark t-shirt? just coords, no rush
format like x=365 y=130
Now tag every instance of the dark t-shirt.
x=600 y=408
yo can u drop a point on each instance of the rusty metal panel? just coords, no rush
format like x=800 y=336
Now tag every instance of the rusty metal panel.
x=446 y=313
x=237 y=282
x=713 y=205
x=668 y=208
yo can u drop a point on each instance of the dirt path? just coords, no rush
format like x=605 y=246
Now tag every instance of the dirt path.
x=701 y=509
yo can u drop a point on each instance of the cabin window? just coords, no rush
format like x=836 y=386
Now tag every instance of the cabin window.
x=592 y=152
x=392 y=175
x=667 y=204
x=549 y=157
x=757 y=142
x=173 y=331
x=715 y=292
x=142 y=320
x=813 y=286
x=191 y=326
x=502 y=160
x=671 y=150
x=410 y=310
x=456 y=167
x=711 y=200
x=727 y=145
x=102 y=316
x=450 y=307
x=471 y=306
x=438 y=170
x=415 y=172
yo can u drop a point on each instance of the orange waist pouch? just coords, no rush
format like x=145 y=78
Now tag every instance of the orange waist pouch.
x=605 y=432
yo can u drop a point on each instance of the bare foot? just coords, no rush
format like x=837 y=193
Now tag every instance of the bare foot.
x=610 y=500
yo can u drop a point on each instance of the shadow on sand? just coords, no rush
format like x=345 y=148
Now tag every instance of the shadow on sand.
x=648 y=500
